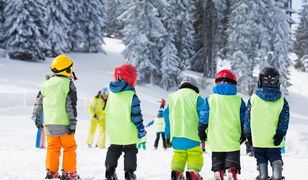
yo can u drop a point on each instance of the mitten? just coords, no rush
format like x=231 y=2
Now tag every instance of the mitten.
x=38 y=123
x=278 y=139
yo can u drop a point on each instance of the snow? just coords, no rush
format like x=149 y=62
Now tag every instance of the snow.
x=19 y=159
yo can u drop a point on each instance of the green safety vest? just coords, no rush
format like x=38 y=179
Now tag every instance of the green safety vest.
x=183 y=114
x=55 y=91
x=224 y=128
x=159 y=124
x=264 y=121
x=120 y=128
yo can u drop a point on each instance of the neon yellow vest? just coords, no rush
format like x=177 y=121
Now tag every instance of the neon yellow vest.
x=224 y=128
x=54 y=93
x=159 y=124
x=183 y=114
x=264 y=121
x=120 y=128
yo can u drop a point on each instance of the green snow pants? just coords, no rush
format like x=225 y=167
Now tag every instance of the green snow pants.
x=192 y=156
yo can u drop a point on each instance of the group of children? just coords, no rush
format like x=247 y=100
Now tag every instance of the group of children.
x=221 y=120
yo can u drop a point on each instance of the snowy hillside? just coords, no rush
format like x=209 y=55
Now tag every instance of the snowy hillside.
x=19 y=84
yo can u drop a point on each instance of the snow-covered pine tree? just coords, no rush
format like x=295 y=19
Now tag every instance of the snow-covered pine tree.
x=58 y=27
x=25 y=29
x=242 y=43
x=113 y=25
x=281 y=45
x=1 y=24
x=305 y=62
x=142 y=34
x=76 y=33
x=301 y=37
x=95 y=21
x=170 y=64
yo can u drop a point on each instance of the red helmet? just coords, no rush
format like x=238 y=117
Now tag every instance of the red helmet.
x=227 y=76
x=126 y=72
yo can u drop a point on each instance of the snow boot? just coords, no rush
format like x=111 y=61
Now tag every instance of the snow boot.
x=110 y=173
x=232 y=173
x=176 y=175
x=277 y=170
x=52 y=175
x=219 y=175
x=193 y=175
x=263 y=172
x=130 y=176
x=69 y=175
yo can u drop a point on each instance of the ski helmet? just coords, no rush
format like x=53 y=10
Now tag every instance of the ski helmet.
x=62 y=65
x=226 y=76
x=189 y=82
x=269 y=77
x=126 y=72
x=105 y=90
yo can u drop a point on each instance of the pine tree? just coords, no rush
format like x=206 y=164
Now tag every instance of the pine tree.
x=143 y=32
x=25 y=29
x=1 y=24
x=58 y=27
x=170 y=64
x=301 y=37
x=94 y=26
x=281 y=45
x=242 y=43
x=114 y=25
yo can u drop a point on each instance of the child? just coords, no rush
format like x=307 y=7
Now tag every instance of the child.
x=57 y=99
x=182 y=115
x=124 y=122
x=225 y=112
x=266 y=123
x=97 y=111
x=159 y=124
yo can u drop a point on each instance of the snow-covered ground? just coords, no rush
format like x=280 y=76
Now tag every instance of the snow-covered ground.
x=19 y=159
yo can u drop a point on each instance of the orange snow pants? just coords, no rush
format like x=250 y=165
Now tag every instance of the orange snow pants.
x=54 y=144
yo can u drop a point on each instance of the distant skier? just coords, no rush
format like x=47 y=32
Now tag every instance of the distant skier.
x=222 y=127
x=124 y=122
x=182 y=115
x=266 y=123
x=57 y=99
x=97 y=111
x=159 y=124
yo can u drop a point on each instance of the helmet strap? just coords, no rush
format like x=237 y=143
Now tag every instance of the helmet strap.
x=74 y=76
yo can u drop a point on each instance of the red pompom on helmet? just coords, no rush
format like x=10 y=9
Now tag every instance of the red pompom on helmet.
x=226 y=76
x=126 y=72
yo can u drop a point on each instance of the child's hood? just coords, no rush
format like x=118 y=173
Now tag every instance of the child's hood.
x=225 y=89
x=119 y=86
x=268 y=94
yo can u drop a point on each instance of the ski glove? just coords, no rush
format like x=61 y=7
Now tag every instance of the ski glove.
x=142 y=143
x=71 y=131
x=38 y=123
x=277 y=139
x=95 y=116
x=168 y=143
x=201 y=133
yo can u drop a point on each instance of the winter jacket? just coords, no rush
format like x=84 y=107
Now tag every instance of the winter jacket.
x=97 y=107
x=159 y=122
x=184 y=143
x=70 y=106
x=136 y=115
x=272 y=95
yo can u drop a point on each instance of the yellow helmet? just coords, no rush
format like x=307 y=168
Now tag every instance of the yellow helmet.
x=62 y=65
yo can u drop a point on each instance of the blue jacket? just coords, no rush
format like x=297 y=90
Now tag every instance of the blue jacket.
x=224 y=89
x=136 y=115
x=184 y=143
x=270 y=94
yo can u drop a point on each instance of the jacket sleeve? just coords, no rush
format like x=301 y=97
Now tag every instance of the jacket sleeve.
x=201 y=109
x=38 y=106
x=283 y=122
x=71 y=105
x=247 y=129
x=91 y=107
x=136 y=115
x=205 y=112
x=167 y=122
x=242 y=114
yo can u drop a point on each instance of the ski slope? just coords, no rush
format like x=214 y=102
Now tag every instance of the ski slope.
x=19 y=159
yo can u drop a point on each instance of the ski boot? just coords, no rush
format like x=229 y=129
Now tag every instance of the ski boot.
x=130 y=176
x=277 y=170
x=69 y=175
x=219 y=175
x=52 y=175
x=193 y=175
x=232 y=173
x=263 y=172
x=176 y=175
x=110 y=174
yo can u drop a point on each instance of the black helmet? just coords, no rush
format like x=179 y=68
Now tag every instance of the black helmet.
x=269 y=77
